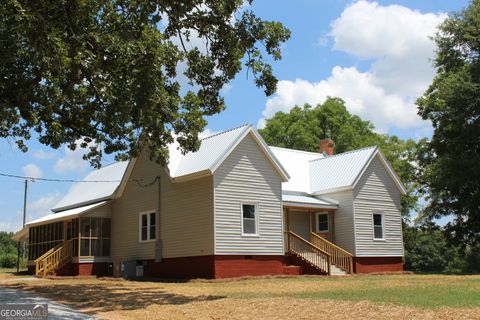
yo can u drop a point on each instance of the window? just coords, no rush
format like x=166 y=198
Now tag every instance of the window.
x=249 y=219
x=322 y=222
x=147 y=226
x=378 y=226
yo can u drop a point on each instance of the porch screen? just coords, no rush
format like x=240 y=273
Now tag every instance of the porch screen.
x=91 y=236
x=43 y=238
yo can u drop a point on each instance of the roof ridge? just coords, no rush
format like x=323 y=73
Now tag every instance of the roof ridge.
x=295 y=150
x=222 y=132
x=345 y=153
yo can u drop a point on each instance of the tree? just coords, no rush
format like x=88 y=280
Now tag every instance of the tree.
x=8 y=250
x=450 y=161
x=104 y=74
x=426 y=249
x=303 y=128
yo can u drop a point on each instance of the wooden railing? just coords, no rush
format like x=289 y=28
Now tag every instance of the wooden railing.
x=307 y=251
x=339 y=257
x=53 y=258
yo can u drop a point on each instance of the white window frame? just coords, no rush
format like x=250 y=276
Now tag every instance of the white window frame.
x=322 y=213
x=382 y=215
x=255 y=204
x=147 y=213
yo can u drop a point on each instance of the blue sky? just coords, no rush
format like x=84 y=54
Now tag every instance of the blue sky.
x=374 y=55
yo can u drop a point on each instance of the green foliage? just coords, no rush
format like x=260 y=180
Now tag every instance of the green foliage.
x=8 y=250
x=303 y=128
x=425 y=250
x=450 y=161
x=103 y=74
x=8 y=260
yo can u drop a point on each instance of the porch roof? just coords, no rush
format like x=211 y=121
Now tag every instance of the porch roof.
x=307 y=202
x=55 y=217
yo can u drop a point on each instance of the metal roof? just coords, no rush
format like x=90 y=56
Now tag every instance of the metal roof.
x=338 y=171
x=54 y=217
x=211 y=149
x=86 y=192
x=306 y=202
x=297 y=164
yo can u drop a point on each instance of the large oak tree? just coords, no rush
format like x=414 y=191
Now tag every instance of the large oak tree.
x=303 y=128
x=105 y=73
x=451 y=159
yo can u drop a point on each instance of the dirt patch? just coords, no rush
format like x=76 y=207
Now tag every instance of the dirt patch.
x=251 y=298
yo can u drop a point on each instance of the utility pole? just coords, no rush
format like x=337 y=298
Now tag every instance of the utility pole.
x=24 y=221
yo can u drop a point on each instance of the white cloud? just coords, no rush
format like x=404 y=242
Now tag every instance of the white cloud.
x=72 y=160
x=43 y=205
x=42 y=155
x=32 y=170
x=362 y=96
x=396 y=36
x=397 y=41
x=207 y=133
x=9 y=226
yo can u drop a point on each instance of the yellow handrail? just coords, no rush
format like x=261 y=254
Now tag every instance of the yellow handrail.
x=340 y=257
x=308 y=252
x=53 y=258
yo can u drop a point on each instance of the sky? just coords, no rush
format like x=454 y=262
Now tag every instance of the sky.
x=374 y=55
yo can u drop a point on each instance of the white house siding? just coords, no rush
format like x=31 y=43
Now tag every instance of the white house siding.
x=376 y=190
x=187 y=215
x=247 y=175
x=343 y=216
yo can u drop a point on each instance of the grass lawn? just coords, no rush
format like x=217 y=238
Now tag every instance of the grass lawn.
x=306 y=297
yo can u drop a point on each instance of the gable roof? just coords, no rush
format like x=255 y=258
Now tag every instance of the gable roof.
x=297 y=164
x=82 y=193
x=213 y=151
x=343 y=171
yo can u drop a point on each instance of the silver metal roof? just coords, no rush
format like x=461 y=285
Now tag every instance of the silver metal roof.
x=86 y=192
x=338 y=171
x=297 y=164
x=212 y=148
x=306 y=201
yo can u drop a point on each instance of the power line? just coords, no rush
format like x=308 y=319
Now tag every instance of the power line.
x=54 y=180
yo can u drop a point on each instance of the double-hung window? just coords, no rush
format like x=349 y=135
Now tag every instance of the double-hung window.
x=147 y=226
x=322 y=222
x=249 y=219
x=378 y=223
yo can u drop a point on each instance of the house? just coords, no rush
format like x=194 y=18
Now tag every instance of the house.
x=235 y=207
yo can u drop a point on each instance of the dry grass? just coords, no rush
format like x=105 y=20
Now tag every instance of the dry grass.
x=361 y=297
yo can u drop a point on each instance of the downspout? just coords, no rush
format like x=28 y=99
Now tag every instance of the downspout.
x=158 y=210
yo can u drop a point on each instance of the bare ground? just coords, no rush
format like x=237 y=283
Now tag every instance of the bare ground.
x=259 y=298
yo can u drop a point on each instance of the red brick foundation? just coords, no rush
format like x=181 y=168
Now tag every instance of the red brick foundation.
x=377 y=264
x=218 y=267
x=81 y=269
x=31 y=269
x=181 y=268
x=99 y=269
x=239 y=266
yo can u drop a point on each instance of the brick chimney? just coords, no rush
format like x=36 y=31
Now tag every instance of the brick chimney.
x=327 y=147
